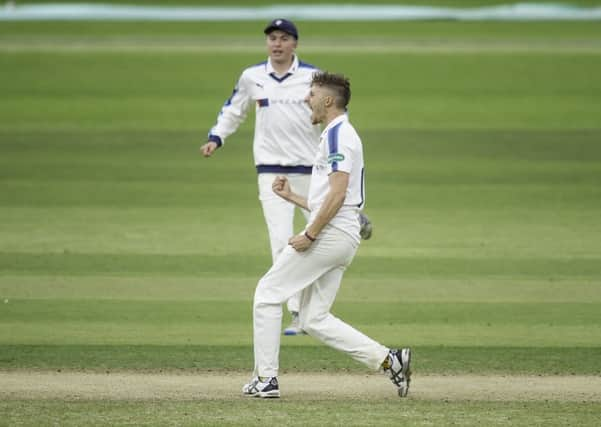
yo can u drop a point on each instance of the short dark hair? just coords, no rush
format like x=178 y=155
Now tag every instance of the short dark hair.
x=338 y=83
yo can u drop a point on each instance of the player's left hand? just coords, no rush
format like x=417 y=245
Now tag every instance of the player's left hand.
x=300 y=242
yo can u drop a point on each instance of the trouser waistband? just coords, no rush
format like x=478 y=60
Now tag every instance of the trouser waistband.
x=284 y=169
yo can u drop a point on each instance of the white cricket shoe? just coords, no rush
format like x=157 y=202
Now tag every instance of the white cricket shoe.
x=366 y=227
x=294 y=327
x=269 y=388
x=399 y=369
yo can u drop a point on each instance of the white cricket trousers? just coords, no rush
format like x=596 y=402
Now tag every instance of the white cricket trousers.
x=279 y=216
x=317 y=274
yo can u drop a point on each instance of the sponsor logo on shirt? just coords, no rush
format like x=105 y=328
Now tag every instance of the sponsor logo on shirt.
x=288 y=101
x=335 y=157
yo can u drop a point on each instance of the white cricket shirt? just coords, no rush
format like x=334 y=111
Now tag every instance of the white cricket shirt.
x=340 y=149
x=284 y=136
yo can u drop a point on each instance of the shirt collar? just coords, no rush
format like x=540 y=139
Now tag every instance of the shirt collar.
x=291 y=70
x=341 y=118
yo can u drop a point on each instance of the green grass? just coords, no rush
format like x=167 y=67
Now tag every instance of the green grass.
x=541 y=91
x=355 y=413
x=217 y=322
x=122 y=249
x=483 y=183
x=299 y=356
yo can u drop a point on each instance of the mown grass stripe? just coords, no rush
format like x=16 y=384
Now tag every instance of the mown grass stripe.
x=236 y=265
x=427 y=359
x=239 y=312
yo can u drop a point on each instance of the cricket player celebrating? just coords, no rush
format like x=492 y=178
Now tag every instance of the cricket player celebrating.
x=284 y=140
x=314 y=261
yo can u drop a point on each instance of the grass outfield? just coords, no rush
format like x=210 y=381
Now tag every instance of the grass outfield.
x=122 y=250
x=322 y=412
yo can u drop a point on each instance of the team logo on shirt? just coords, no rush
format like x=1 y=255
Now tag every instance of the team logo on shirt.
x=335 y=157
x=297 y=101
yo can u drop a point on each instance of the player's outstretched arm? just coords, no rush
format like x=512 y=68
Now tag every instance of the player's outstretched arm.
x=281 y=187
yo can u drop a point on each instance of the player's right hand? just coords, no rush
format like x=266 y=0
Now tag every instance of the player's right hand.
x=208 y=149
x=281 y=186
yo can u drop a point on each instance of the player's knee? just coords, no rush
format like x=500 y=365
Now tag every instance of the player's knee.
x=260 y=293
x=312 y=324
x=310 y=327
x=266 y=294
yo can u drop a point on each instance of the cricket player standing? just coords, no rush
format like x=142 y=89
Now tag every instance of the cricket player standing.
x=314 y=261
x=285 y=140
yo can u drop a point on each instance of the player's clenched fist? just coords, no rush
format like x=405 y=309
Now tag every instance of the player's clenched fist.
x=300 y=243
x=281 y=186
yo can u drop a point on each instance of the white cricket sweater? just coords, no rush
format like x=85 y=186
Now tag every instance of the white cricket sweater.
x=284 y=140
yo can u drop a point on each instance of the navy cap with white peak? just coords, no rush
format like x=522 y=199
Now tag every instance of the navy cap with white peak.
x=282 y=25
